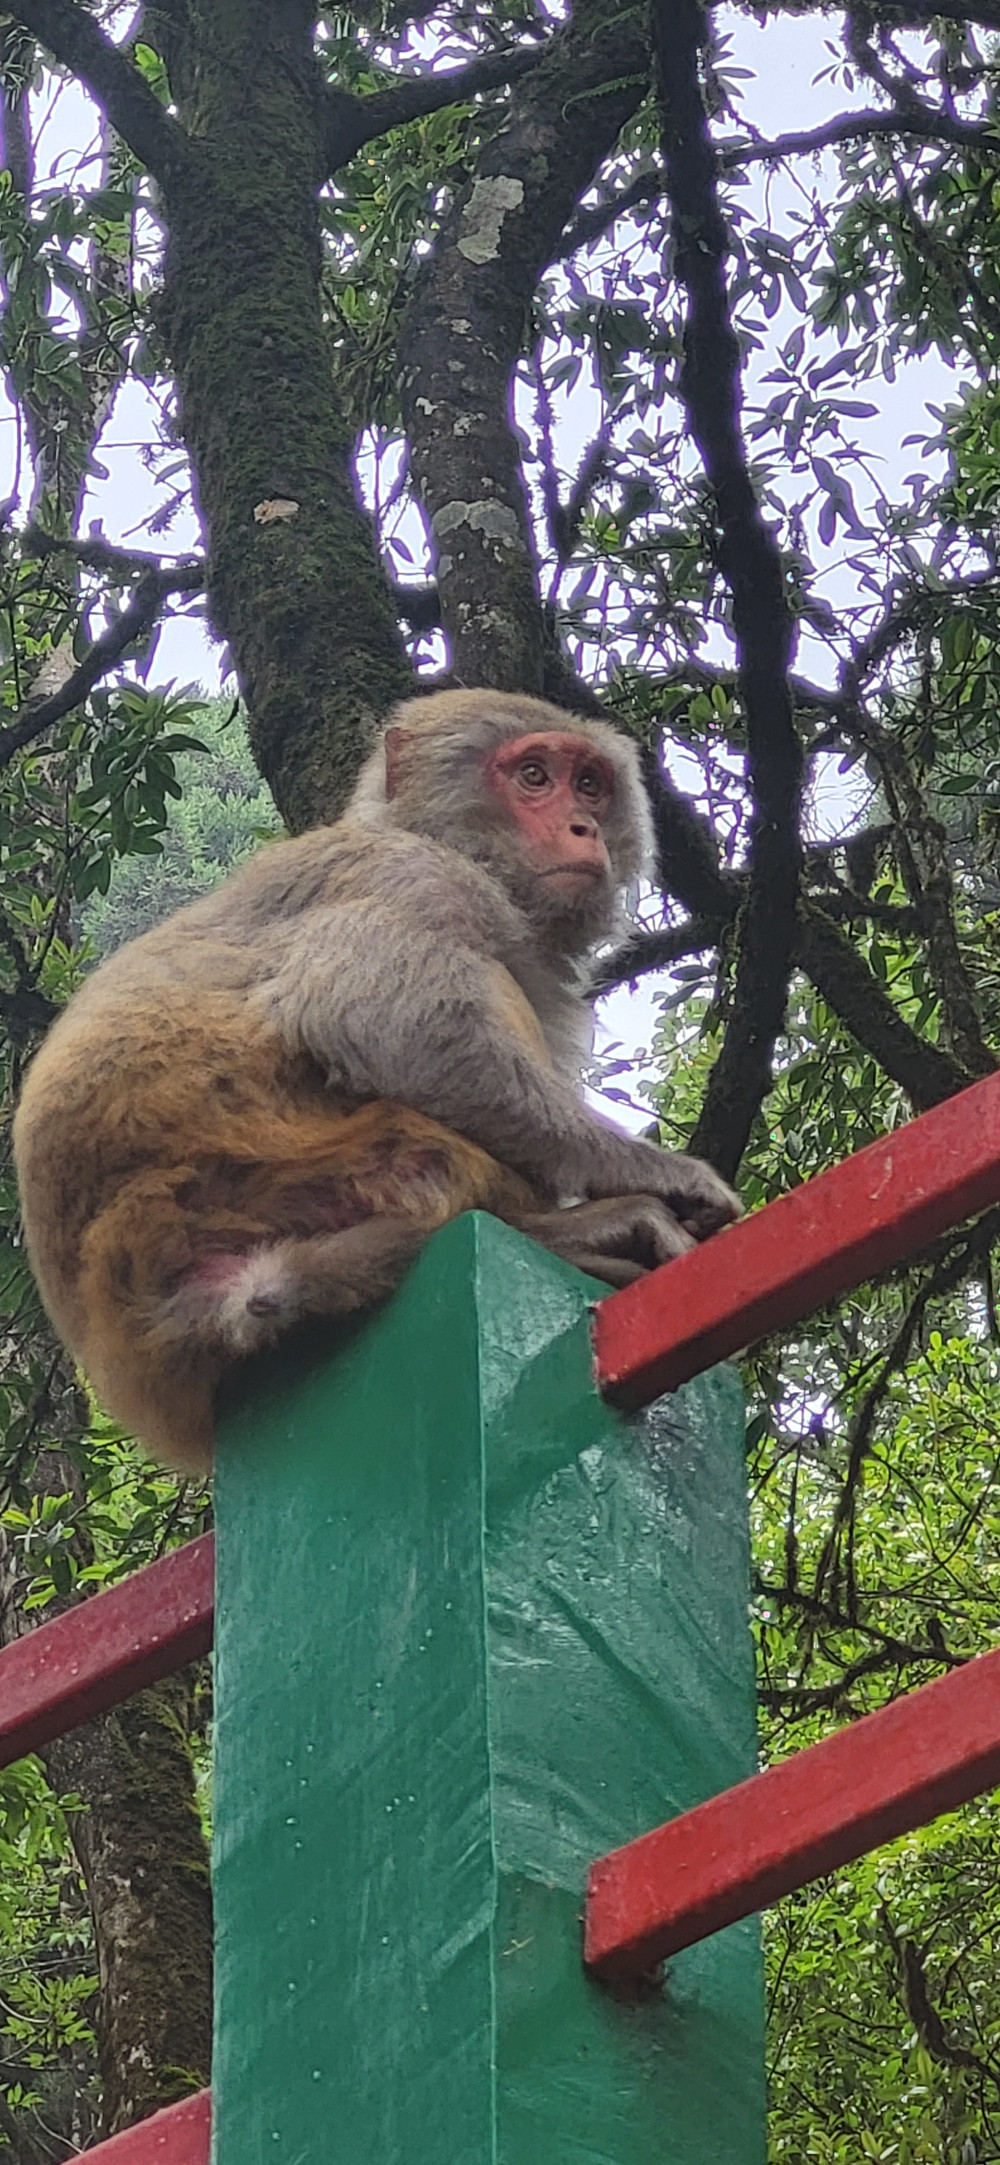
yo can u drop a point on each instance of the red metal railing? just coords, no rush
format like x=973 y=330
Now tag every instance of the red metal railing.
x=83 y=1663
x=739 y=1851
x=879 y=1777
x=812 y=1245
x=99 y=1653
x=929 y=1751
x=179 y=2136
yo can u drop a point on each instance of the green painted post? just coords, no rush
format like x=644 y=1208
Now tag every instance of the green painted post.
x=474 y=1629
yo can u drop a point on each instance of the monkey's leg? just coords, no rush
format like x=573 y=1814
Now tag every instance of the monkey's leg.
x=618 y=1238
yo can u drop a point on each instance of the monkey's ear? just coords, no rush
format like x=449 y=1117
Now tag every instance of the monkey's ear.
x=396 y=741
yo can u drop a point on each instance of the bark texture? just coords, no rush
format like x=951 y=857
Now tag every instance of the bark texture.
x=144 y=1860
x=295 y=586
x=467 y=326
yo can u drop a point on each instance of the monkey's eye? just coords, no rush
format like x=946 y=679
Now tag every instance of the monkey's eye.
x=533 y=774
x=589 y=783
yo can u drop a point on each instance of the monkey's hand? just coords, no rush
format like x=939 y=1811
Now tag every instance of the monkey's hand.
x=694 y=1193
x=443 y=1028
x=618 y=1239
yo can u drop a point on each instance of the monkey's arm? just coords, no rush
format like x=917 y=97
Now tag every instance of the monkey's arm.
x=428 y=1022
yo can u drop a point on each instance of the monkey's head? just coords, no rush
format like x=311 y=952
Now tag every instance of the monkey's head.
x=552 y=805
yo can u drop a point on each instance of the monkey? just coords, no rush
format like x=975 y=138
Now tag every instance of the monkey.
x=257 y=1112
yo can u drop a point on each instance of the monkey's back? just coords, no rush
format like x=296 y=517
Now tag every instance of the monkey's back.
x=115 y=1093
x=165 y=1116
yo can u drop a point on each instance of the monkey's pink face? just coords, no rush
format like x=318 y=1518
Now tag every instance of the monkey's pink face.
x=555 y=792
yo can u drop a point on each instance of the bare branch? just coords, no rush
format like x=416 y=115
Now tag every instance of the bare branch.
x=74 y=39
x=101 y=555
x=592 y=225
x=909 y=14
x=924 y=123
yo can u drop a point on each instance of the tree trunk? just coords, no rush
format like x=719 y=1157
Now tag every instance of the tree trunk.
x=295 y=584
x=144 y=1859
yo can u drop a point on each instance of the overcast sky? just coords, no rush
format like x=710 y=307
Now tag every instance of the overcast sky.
x=787 y=57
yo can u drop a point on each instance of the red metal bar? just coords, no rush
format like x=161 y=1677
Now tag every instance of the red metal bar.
x=926 y=1753
x=99 y=1653
x=774 y=1268
x=178 y=2136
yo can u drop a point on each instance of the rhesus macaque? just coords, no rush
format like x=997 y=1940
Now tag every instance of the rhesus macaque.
x=259 y=1110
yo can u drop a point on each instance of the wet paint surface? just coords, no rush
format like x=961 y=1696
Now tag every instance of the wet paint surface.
x=474 y=1629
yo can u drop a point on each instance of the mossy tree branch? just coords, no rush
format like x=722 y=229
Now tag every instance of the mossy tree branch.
x=926 y=1071
x=73 y=37
x=298 y=594
x=350 y=122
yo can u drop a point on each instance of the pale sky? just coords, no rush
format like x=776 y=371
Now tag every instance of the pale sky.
x=790 y=54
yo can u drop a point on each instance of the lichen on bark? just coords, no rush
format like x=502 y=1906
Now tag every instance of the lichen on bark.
x=467 y=324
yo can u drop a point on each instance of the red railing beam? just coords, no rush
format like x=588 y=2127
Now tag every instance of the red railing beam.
x=881 y=1776
x=178 y=2136
x=774 y=1268
x=99 y=1653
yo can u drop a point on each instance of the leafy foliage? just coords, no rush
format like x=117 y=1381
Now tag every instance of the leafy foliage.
x=858 y=250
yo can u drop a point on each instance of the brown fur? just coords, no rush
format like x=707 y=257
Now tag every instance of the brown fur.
x=260 y=1109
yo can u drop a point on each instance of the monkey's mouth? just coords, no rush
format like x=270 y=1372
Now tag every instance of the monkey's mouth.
x=581 y=871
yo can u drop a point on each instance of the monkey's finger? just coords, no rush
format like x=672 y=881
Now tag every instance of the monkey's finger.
x=614 y=1269
x=698 y=1196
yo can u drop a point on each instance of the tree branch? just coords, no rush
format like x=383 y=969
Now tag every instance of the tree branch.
x=751 y=563
x=924 y=123
x=350 y=122
x=419 y=606
x=74 y=39
x=908 y=14
x=133 y=624
x=924 y=1070
x=687 y=851
x=922 y=854
x=647 y=951
x=465 y=328
x=25 y=1011
x=799 y=1700
x=592 y=225
x=921 y=2010
x=949 y=1270
x=101 y=555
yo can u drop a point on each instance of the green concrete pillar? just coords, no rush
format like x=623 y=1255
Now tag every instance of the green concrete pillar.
x=474 y=1628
